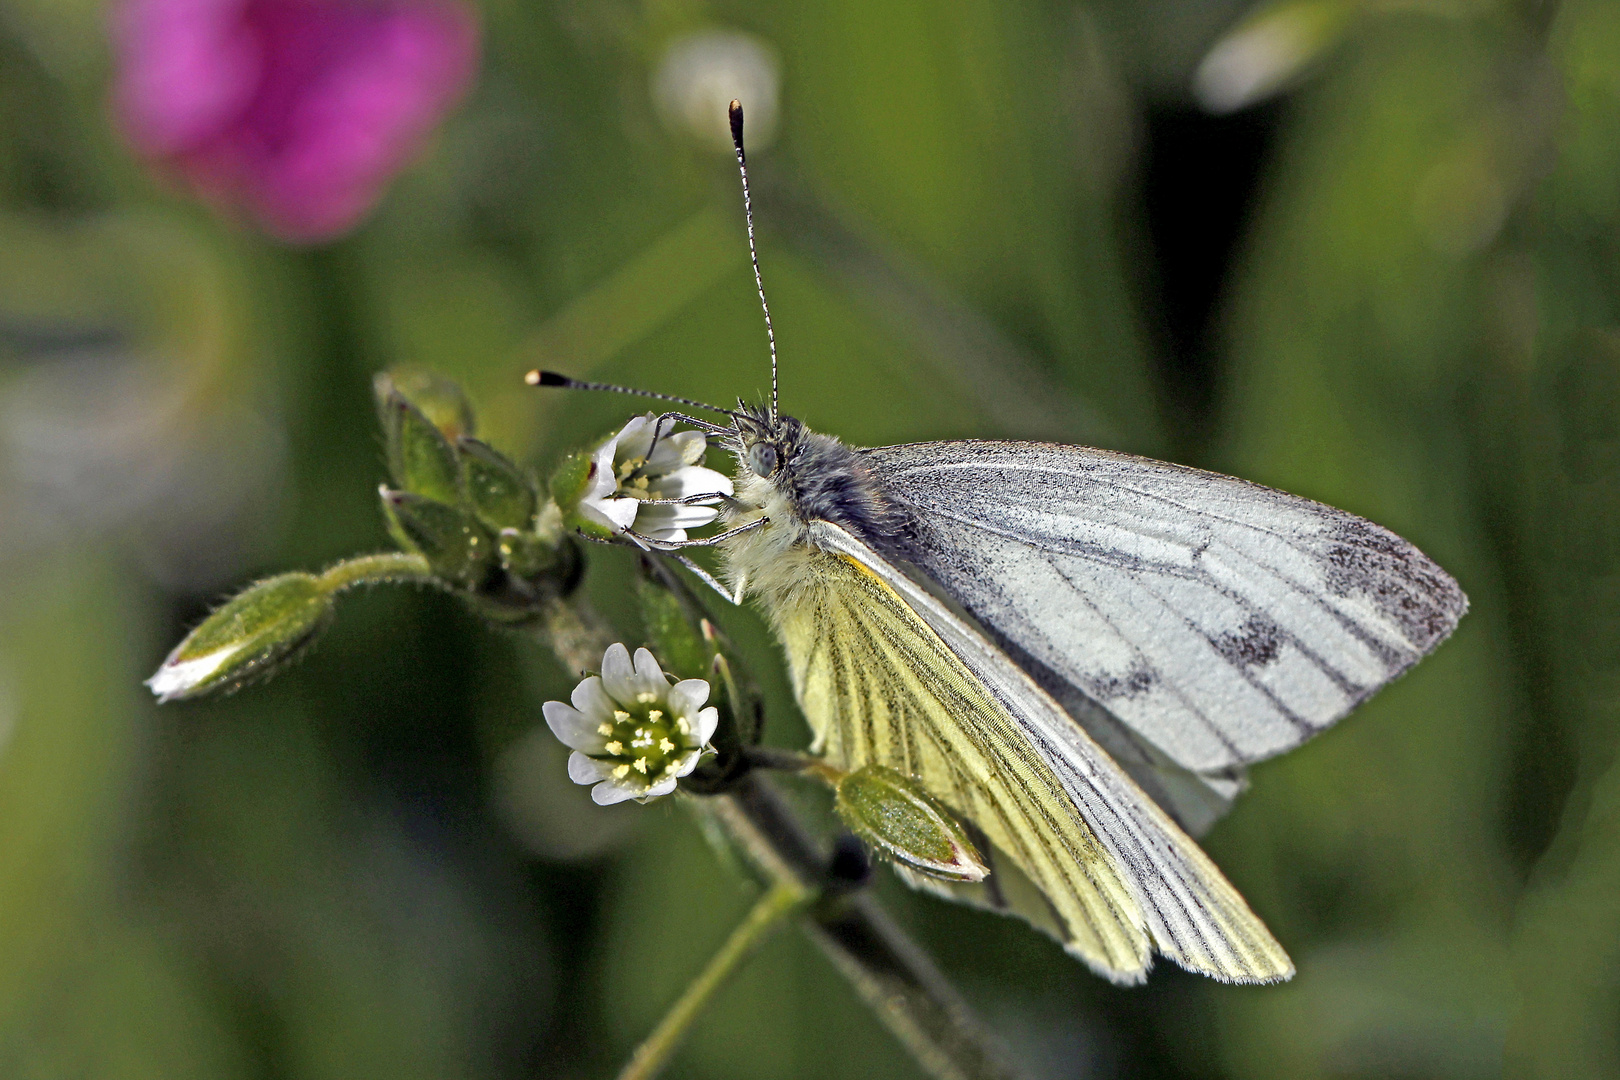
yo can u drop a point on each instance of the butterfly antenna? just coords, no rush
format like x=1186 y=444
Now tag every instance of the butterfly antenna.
x=736 y=112
x=551 y=378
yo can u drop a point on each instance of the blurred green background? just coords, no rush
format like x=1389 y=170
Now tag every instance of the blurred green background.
x=1393 y=286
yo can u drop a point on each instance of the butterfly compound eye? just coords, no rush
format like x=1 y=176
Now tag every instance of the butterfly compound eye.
x=762 y=459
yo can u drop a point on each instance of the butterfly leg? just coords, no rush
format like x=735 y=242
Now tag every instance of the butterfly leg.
x=707 y=541
x=707 y=578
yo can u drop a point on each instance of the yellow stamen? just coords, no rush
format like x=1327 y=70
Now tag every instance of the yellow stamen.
x=665 y=745
x=615 y=747
x=621 y=772
x=641 y=765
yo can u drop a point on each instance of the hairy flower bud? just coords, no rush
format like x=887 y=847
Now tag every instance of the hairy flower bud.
x=501 y=494
x=247 y=637
x=420 y=459
x=895 y=815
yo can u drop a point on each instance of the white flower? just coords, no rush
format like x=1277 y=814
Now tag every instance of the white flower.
x=623 y=479
x=633 y=734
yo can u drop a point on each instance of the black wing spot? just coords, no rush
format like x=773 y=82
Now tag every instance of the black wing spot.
x=1255 y=644
x=1135 y=682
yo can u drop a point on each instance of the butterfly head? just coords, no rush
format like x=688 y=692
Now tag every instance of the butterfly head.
x=763 y=444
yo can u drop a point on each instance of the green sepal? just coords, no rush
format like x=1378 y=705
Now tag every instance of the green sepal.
x=499 y=492
x=552 y=565
x=260 y=628
x=457 y=546
x=420 y=459
x=570 y=479
x=896 y=816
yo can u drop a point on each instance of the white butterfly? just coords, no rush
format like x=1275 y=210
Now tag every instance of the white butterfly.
x=1074 y=649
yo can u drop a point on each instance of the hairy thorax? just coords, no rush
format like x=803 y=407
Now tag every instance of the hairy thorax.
x=819 y=479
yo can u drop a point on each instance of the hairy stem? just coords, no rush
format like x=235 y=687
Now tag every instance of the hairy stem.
x=781 y=900
x=383 y=567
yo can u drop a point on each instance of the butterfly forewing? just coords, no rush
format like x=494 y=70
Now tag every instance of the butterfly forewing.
x=1223 y=621
x=886 y=674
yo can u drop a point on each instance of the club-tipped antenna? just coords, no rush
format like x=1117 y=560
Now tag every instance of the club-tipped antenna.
x=736 y=113
x=552 y=378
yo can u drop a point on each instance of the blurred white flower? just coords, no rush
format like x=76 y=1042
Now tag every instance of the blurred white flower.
x=633 y=734
x=623 y=478
x=701 y=73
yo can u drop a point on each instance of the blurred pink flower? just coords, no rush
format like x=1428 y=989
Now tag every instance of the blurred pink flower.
x=298 y=111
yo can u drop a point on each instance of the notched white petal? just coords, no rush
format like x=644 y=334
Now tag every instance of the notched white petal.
x=649 y=677
x=616 y=515
x=688 y=696
x=591 y=698
x=707 y=721
x=587 y=770
x=602 y=480
x=688 y=763
x=692 y=480
x=618 y=676
x=573 y=728
x=607 y=793
x=663 y=787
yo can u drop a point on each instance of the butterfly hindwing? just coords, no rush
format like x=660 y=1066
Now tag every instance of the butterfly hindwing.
x=886 y=674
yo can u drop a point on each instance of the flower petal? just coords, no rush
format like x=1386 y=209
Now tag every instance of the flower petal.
x=666 y=517
x=691 y=480
x=616 y=514
x=676 y=449
x=587 y=770
x=573 y=728
x=707 y=721
x=609 y=792
x=688 y=763
x=591 y=698
x=603 y=483
x=663 y=787
x=618 y=677
x=650 y=677
x=635 y=439
x=687 y=697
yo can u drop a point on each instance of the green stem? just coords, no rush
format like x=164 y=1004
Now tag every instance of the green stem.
x=780 y=901
x=385 y=566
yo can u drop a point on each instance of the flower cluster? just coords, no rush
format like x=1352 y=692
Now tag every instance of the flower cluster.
x=629 y=483
x=633 y=734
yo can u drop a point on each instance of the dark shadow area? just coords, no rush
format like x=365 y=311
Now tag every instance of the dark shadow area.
x=1200 y=181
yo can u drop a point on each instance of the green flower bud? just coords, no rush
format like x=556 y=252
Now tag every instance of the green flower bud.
x=420 y=459
x=458 y=548
x=501 y=494
x=896 y=816
x=439 y=399
x=247 y=637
